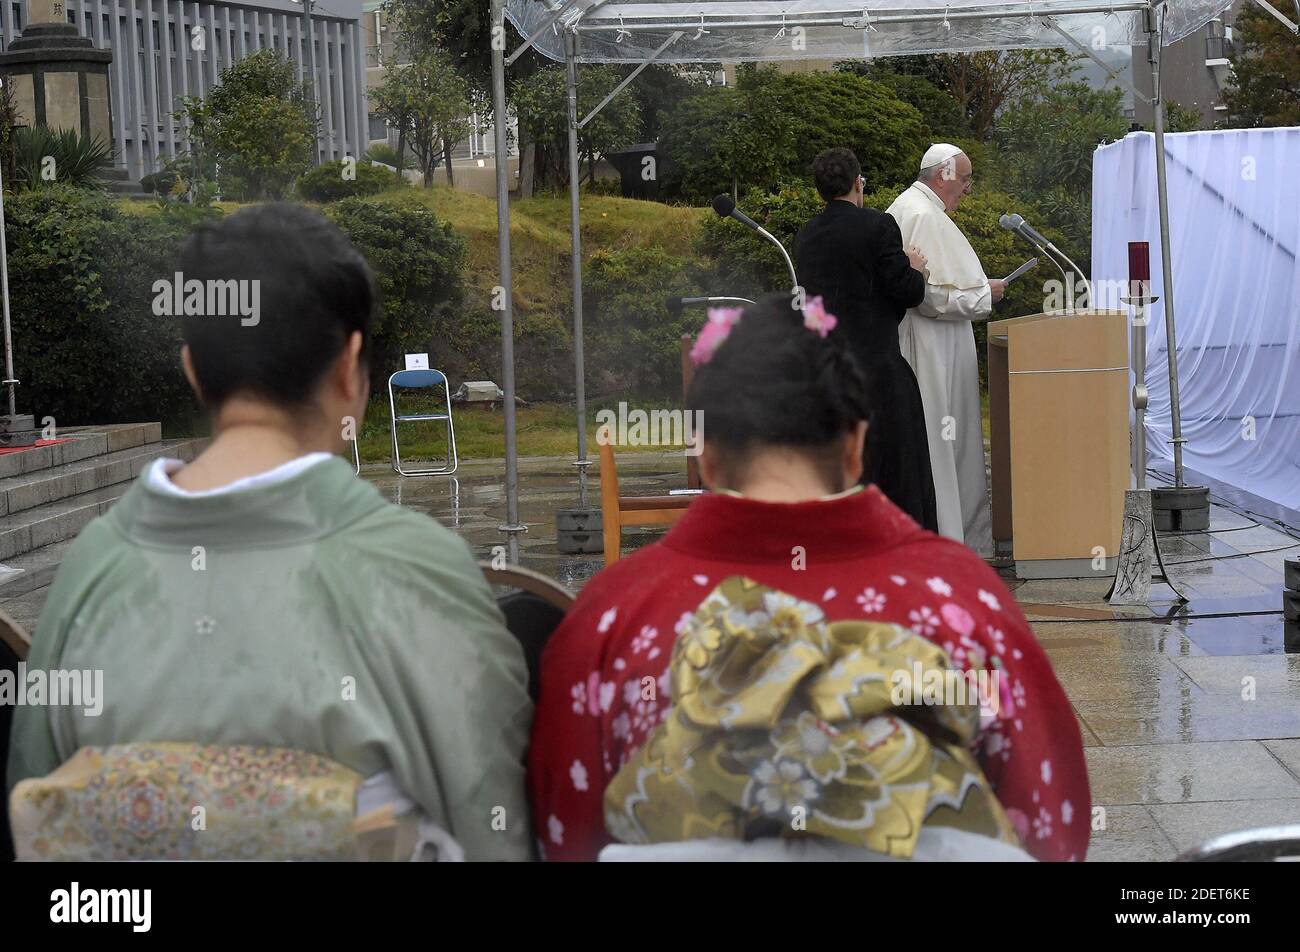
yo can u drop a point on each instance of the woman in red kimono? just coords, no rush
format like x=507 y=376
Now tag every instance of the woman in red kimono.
x=783 y=409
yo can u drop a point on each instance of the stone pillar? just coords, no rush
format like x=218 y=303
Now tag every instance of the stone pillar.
x=59 y=79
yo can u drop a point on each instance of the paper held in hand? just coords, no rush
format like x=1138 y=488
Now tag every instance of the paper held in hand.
x=1031 y=263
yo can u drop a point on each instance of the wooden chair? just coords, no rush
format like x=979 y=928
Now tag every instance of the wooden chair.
x=533 y=610
x=688 y=374
x=15 y=644
x=618 y=511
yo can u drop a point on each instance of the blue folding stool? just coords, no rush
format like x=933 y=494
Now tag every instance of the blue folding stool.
x=420 y=380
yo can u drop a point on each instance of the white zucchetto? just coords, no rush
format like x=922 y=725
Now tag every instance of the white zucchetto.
x=937 y=154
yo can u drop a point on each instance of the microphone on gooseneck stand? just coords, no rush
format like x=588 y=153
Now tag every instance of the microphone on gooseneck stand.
x=725 y=206
x=1027 y=231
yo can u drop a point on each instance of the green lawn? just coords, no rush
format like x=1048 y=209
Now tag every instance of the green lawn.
x=543 y=429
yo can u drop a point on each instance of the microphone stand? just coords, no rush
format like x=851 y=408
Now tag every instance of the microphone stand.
x=1065 y=279
x=794 y=280
x=1087 y=285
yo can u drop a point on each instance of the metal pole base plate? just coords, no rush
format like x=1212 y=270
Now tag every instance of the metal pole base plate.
x=1139 y=554
x=579 y=531
x=1181 y=508
x=1291 y=574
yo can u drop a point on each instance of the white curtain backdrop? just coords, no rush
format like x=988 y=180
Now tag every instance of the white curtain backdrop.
x=1234 y=216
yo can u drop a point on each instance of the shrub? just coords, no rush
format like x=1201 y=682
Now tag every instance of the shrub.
x=327 y=182
x=769 y=128
x=939 y=111
x=382 y=152
x=725 y=135
x=418 y=263
x=43 y=158
x=87 y=346
x=633 y=341
x=746 y=264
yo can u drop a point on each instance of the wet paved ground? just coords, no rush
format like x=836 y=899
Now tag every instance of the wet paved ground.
x=1190 y=714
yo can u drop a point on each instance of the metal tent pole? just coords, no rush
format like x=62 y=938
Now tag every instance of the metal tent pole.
x=1156 y=54
x=575 y=229
x=9 y=381
x=512 y=528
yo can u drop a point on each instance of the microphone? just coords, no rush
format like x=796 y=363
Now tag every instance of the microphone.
x=725 y=206
x=1027 y=231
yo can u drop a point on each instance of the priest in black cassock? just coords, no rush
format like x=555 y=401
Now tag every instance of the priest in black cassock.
x=853 y=257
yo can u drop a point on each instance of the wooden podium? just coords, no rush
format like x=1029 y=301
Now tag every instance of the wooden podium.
x=1059 y=429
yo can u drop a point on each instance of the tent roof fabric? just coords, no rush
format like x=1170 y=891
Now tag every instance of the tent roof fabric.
x=764 y=30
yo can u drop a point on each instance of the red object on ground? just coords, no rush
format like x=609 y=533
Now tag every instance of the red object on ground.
x=19 y=449
x=856 y=557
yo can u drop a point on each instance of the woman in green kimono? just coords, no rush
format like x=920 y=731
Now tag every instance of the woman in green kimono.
x=262 y=594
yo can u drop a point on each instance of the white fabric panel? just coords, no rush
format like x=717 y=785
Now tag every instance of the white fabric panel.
x=1234 y=234
x=742 y=30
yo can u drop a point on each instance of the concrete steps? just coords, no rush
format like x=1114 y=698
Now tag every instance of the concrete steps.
x=48 y=494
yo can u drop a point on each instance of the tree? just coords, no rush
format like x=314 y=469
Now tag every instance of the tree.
x=1266 y=65
x=982 y=83
x=428 y=102
x=1046 y=142
x=541 y=103
x=1180 y=118
x=258 y=125
x=767 y=129
x=939 y=111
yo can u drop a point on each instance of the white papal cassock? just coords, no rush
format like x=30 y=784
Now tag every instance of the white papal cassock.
x=937 y=339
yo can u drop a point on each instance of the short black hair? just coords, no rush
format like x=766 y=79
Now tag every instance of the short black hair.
x=314 y=291
x=834 y=172
x=774 y=382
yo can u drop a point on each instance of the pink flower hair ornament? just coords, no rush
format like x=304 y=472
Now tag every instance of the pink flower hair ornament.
x=715 y=330
x=722 y=319
x=817 y=319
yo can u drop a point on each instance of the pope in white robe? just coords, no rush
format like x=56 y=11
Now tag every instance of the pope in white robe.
x=937 y=339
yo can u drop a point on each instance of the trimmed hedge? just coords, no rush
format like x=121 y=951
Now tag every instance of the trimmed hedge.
x=326 y=182
x=418 y=263
x=633 y=342
x=89 y=349
x=771 y=126
x=87 y=346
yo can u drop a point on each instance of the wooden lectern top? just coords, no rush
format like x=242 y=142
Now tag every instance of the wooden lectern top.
x=1085 y=340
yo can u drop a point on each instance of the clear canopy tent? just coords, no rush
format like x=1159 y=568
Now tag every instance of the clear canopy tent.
x=751 y=30
x=687 y=31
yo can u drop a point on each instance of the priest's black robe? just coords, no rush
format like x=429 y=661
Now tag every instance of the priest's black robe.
x=853 y=257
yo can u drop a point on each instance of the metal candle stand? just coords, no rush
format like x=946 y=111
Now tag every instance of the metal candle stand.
x=1139 y=548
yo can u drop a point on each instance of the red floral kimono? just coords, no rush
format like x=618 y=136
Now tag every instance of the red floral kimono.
x=857 y=556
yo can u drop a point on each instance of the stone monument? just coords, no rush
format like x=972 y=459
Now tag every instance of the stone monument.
x=59 y=79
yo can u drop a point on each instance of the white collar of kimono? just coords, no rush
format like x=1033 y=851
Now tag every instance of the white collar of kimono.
x=839 y=495
x=158 y=477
